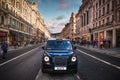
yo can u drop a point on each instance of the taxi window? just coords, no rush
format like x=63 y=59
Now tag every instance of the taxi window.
x=58 y=45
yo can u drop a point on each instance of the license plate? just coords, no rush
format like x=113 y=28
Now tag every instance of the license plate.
x=60 y=68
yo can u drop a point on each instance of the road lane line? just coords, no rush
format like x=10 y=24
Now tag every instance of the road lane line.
x=16 y=57
x=99 y=59
x=78 y=77
x=37 y=77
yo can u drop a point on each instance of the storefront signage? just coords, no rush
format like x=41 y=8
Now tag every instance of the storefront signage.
x=3 y=34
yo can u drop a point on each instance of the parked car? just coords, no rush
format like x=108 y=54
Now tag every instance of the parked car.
x=59 y=56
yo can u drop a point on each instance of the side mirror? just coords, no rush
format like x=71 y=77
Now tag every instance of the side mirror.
x=43 y=47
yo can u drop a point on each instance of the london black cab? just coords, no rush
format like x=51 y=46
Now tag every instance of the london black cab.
x=59 y=56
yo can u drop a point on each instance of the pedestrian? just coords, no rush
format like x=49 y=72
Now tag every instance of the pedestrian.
x=15 y=44
x=101 y=44
x=109 y=43
x=4 y=47
x=104 y=43
x=94 y=43
x=25 y=44
x=88 y=43
x=0 y=50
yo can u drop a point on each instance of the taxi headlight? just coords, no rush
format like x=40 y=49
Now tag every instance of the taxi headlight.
x=46 y=58
x=73 y=59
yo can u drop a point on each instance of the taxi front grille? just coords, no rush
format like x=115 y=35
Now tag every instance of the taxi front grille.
x=60 y=61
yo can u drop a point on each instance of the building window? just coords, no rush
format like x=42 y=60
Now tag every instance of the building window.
x=7 y=6
x=112 y=18
x=96 y=24
x=22 y=27
x=96 y=14
x=108 y=8
x=2 y=19
x=108 y=19
x=3 y=4
x=14 y=22
x=119 y=16
x=93 y=8
x=18 y=5
x=118 y=1
x=13 y=2
x=103 y=21
x=103 y=1
x=113 y=5
x=96 y=5
x=103 y=11
x=84 y=19
x=99 y=2
x=99 y=23
x=81 y=21
x=87 y=17
x=99 y=13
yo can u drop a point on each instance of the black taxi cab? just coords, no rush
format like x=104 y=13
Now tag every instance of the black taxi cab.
x=59 y=56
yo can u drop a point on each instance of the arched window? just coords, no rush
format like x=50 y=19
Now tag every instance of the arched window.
x=2 y=19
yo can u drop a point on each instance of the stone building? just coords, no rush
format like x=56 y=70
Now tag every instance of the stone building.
x=99 y=20
x=66 y=31
x=19 y=21
x=106 y=21
x=84 y=20
x=69 y=31
x=15 y=25
x=72 y=22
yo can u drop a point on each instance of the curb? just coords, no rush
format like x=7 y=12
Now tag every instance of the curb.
x=12 y=49
x=107 y=53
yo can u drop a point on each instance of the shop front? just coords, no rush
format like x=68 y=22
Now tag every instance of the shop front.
x=96 y=36
x=86 y=37
x=101 y=36
x=13 y=35
x=17 y=36
x=3 y=36
x=118 y=38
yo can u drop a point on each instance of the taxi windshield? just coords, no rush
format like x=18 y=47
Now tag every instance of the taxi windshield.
x=59 y=45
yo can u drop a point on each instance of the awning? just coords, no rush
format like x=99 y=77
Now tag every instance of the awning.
x=15 y=33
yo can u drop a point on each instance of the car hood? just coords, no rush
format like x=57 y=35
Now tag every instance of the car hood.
x=54 y=53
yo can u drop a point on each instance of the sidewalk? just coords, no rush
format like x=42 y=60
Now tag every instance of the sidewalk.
x=12 y=47
x=109 y=51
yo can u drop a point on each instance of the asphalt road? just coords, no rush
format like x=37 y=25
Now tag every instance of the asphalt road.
x=25 y=64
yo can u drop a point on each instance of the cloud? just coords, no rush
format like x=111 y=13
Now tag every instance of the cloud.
x=38 y=1
x=64 y=5
x=60 y=17
x=55 y=27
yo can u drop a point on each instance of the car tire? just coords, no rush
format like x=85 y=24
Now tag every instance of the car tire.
x=43 y=70
x=75 y=71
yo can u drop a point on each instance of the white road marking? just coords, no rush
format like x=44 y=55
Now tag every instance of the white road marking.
x=16 y=57
x=99 y=59
x=37 y=77
x=78 y=77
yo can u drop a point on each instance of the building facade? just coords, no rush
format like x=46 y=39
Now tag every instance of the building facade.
x=106 y=21
x=84 y=20
x=69 y=31
x=66 y=32
x=56 y=35
x=15 y=26
x=72 y=22
x=20 y=21
x=99 y=20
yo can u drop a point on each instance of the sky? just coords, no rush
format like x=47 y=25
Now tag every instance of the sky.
x=56 y=13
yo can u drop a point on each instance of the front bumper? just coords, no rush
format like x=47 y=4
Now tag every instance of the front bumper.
x=70 y=67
